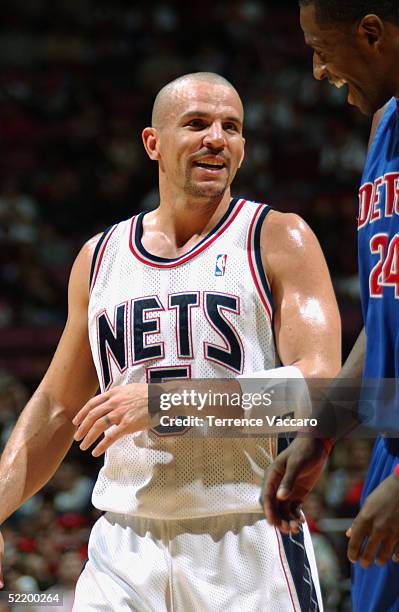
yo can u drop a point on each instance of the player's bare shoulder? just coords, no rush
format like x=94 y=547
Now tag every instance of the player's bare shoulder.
x=86 y=253
x=90 y=246
x=284 y=232
x=285 y=226
x=79 y=279
x=287 y=243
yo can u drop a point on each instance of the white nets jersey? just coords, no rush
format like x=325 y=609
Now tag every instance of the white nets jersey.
x=206 y=314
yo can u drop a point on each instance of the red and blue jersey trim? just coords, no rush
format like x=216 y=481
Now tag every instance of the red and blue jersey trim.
x=255 y=259
x=99 y=254
x=297 y=571
x=154 y=261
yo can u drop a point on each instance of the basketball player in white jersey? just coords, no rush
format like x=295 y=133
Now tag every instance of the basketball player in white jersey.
x=204 y=286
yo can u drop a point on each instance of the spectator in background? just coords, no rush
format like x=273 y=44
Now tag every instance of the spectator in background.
x=346 y=480
x=18 y=214
x=69 y=568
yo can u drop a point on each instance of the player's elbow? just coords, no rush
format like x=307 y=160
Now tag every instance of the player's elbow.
x=327 y=369
x=321 y=366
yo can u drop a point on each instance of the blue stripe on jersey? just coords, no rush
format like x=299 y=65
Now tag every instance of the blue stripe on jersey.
x=284 y=440
x=96 y=252
x=258 y=257
x=295 y=552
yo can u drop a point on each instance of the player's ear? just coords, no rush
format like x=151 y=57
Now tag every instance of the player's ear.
x=243 y=153
x=150 y=141
x=371 y=30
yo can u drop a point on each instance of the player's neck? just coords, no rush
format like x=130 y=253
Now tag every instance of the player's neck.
x=175 y=228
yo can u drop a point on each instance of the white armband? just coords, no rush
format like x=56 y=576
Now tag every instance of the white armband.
x=279 y=392
x=282 y=372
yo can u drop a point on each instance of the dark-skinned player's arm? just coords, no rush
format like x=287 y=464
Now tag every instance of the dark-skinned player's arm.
x=44 y=432
x=297 y=469
x=308 y=335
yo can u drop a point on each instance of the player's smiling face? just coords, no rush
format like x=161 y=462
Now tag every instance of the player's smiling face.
x=201 y=145
x=345 y=56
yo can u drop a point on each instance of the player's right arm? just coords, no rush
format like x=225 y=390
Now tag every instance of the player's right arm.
x=44 y=432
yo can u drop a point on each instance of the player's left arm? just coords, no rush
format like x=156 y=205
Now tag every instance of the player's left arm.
x=306 y=319
x=308 y=335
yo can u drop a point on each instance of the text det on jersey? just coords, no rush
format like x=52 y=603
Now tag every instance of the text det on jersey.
x=379 y=201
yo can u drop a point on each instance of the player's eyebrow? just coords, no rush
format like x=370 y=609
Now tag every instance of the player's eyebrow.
x=205 y=115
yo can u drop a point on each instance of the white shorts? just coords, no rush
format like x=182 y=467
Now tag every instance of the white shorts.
x=226 y=563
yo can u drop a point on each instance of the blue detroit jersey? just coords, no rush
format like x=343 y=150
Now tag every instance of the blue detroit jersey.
x=377 y=588
x=378 y=227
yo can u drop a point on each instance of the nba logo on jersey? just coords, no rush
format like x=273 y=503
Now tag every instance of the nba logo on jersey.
x=220 y=265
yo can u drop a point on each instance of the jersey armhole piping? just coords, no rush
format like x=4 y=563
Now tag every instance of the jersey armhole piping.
x=98 y=255
x=255 y=258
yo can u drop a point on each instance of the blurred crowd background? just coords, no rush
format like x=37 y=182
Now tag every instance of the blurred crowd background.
x=77 y=82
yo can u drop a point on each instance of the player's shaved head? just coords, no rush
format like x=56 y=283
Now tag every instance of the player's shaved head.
x=166 y=98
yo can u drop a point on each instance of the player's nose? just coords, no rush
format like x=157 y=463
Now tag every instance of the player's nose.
x=214 y=136
x=319 y=68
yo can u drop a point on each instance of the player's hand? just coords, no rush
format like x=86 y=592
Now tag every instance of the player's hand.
x=1 y=561
x=115 y=413
x=288 y=481
x=378 y=523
